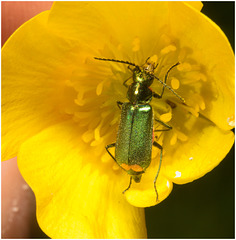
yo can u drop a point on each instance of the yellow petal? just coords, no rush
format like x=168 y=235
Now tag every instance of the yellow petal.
x=211 y=48
x=107 y=30
x=143 y=194
x=204 y=150
x=31 y=95
x=110 y=22
x=195 y=4
x=76 y=195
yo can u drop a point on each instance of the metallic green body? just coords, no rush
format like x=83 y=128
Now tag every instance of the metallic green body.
x=133 y=147
x=134 y=138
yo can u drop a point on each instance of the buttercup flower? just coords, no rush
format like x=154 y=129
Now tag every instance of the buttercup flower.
x=59 y=108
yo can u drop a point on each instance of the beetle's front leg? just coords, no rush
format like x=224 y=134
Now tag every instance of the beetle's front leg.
x=125 y=82
x=119 y=104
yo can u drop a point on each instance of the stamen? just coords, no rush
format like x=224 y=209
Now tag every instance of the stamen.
x=197 y=102
x=87 y=136
x=82 y=115
x=114 y=121
x=184 y=67
x=105 y=158
x=170 y=48
x=97 y=133
x=105 y=114
x=96 y=142
x=99 y=88
x=153 y=58
x=115 y=167
x=109 y=79
x=201 y=102
x=192 y=77
x=165 y=39
x=173 y=139
x=189 y=108
x=175 y=83
x=166 y=117
x=200 y=76
x=94 y=123
x=181 y=136
x=80 y=101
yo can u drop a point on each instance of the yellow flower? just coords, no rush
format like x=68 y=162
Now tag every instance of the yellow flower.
x=59 y=108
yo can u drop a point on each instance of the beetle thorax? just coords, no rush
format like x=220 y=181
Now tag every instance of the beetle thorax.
x=139 y=93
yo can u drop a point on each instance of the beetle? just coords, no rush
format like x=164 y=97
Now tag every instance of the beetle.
x=133 y=146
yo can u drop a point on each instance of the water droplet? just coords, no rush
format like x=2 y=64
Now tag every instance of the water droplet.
x=177 y=174
x=231 y=121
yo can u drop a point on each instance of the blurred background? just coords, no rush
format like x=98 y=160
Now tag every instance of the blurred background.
x=204 y=208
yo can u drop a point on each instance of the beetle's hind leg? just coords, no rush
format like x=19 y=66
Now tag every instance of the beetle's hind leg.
x=107 y=148
x=159 y=167
x=130 y=182
x=110 y=146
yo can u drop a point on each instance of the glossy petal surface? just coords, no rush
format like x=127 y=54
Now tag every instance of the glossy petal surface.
x=30 y=94
x=60 y=108
x=76 y=198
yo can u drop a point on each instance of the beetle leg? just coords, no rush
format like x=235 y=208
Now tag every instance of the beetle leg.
x=128 y=186
x=168 y=127
x=109 y=146
x=156 y=95
x=124 y=83
x=146 y=60
x=163 y=88
x=119 y=104
x=159 y=167
x=155 y=66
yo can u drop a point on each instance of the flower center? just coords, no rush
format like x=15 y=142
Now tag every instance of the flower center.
x=99 y=85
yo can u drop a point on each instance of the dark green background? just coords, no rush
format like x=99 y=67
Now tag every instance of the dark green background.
x=204 y=208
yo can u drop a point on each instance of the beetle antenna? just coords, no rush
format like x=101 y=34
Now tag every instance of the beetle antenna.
x=114 y=60
x=169 y=88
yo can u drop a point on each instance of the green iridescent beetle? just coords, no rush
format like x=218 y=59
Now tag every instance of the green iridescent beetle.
x=133 y=146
